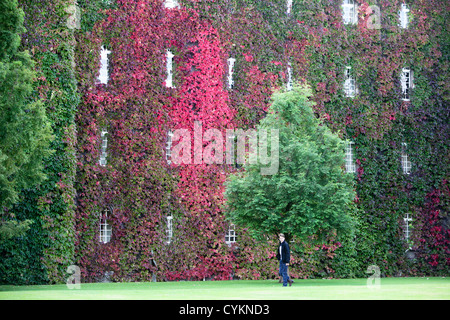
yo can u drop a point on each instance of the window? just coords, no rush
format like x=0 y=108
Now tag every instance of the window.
x=407 y=230
x=169 y=69
x=105 y=228
x=407 y=83
x=230 y=236
x=169 y=230
x=349 y=83
x=103 y=155
x=349 y=161
x=404 y=16
x=170 y=4
x=104 y=76
x=349 y=12
x=289 y=7
x=406 y=164
x=230 y=149
x=169 y=147
x=230 y=63
x=289 y=82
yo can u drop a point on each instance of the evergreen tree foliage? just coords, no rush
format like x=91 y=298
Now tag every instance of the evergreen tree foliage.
x=25 y=132
x=310 y=194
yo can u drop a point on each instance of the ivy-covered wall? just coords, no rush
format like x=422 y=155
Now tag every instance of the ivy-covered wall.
x=264 y=40
x=140 y=188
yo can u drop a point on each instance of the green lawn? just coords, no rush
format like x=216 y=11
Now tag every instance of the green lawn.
x=353 y=289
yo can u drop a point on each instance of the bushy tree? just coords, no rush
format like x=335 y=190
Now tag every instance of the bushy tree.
x=25 y=131
x=311 y=194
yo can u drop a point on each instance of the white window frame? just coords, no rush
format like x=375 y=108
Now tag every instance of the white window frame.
x=104 y=154
x=169 y=228
x=288 y=7
x=406 y=80
x=230 y=236
x=104 y=74
x=350 y=166
x=171 y=4
x=349 y=83
x=105 y=228
x=406 y=164
x=349 y=12
x=407 y=230
x=289 y=84
x=404 y=16
x=230 y=80
x=169 y=69
x=230 y=149
x=169 y=147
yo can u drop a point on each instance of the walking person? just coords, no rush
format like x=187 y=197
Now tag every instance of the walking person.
x=284 y=256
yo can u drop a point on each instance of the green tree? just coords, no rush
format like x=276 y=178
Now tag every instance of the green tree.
x=311 y=194
x=25 y=132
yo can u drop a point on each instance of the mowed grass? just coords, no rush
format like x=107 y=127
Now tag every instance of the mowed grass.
x=317 y=289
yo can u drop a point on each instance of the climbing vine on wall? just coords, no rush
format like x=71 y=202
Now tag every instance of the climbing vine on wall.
x=136 y=109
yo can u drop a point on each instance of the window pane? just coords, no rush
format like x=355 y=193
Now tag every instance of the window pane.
x=406 y=84
x=349 y=12
x=404 y=16
x=230 y=63
x=104 y=76
x=169 y=67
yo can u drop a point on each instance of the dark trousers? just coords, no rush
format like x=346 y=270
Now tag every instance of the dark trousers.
x=284 y=273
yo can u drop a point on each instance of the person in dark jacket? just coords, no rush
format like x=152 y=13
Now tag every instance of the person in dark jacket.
x=284 y=256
